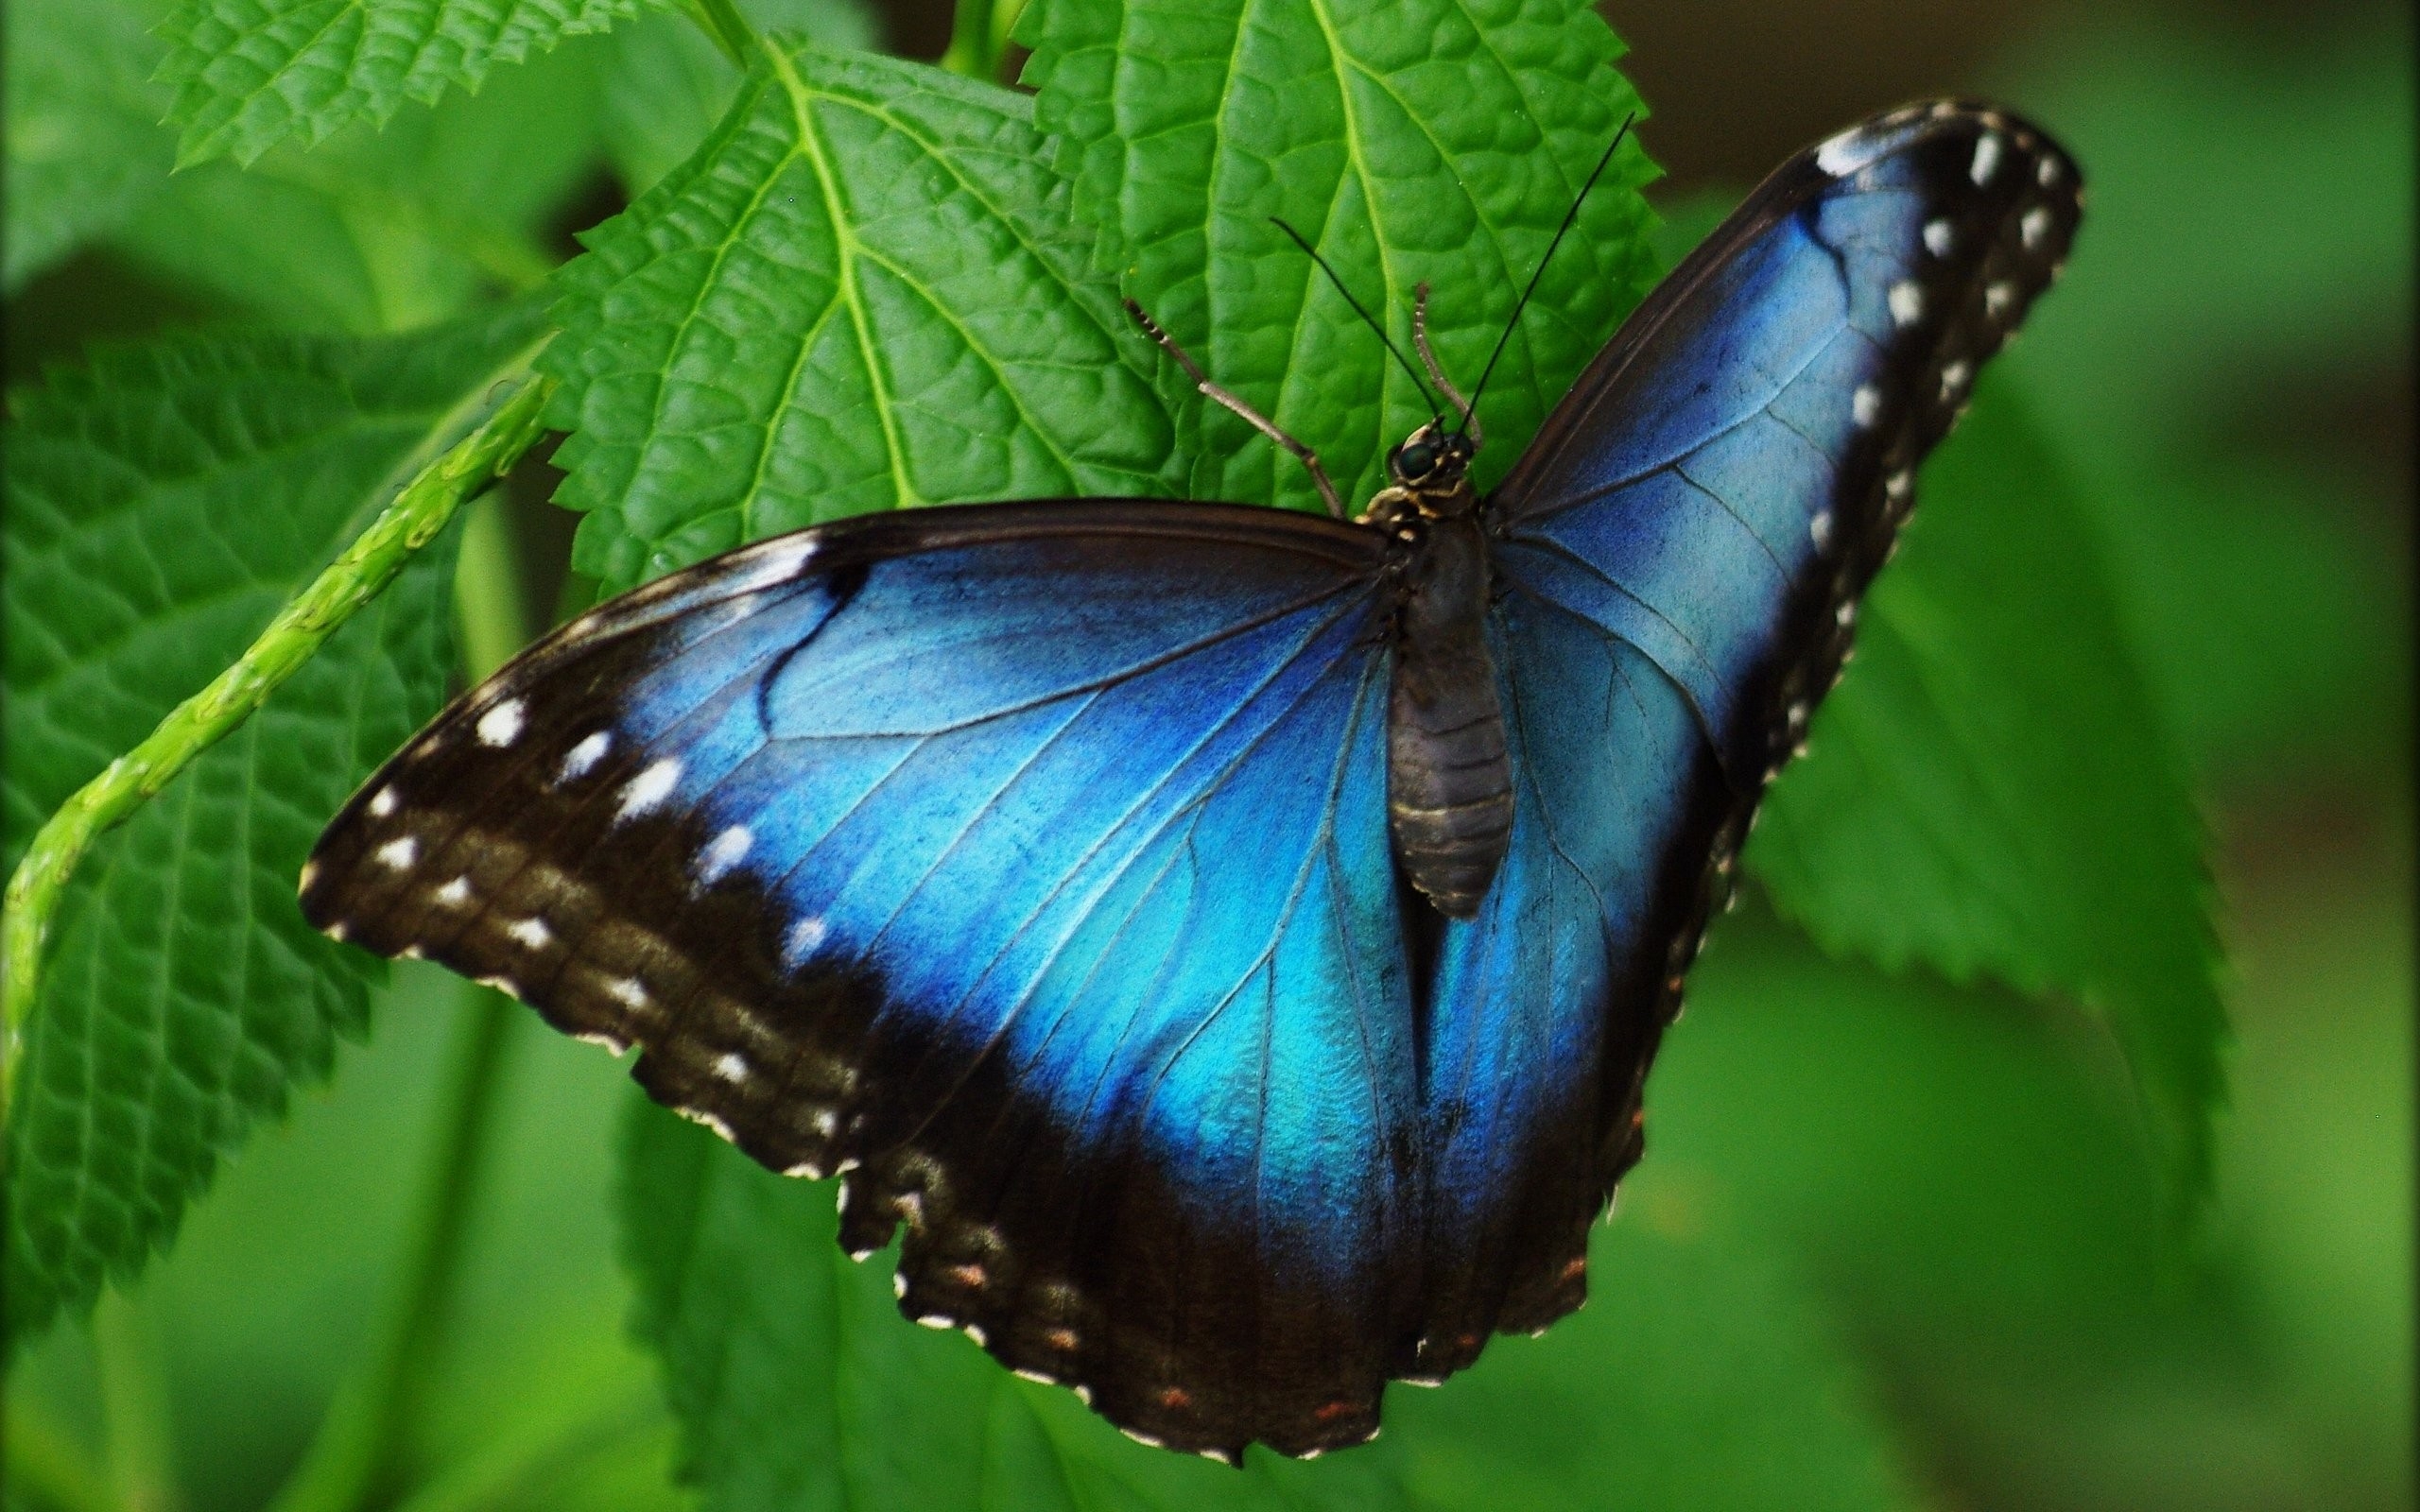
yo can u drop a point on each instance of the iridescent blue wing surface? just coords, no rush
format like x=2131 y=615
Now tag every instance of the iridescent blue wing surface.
x=1680 y=555
x=1026 y=862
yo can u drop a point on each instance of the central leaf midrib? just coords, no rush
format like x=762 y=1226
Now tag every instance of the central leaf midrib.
x=812 y=149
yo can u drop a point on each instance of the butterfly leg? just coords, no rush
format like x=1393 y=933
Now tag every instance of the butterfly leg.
x=1254 y=418
x=1436 y=370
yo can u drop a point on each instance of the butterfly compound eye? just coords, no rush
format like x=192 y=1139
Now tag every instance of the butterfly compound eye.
x=1415 y=461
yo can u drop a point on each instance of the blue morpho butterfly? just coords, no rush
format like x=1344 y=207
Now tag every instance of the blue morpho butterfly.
x=1232 y=941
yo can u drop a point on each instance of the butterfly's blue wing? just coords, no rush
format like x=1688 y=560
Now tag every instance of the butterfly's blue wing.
x=1029 y=864
x=1026 y=862
x=1680 y=554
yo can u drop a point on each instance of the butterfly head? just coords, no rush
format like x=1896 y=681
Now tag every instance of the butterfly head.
x=1432 y=468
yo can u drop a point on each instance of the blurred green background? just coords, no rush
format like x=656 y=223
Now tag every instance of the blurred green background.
x=1957 y=1204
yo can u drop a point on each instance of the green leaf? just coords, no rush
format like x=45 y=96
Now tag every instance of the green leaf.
x=535 y=1400
x=669 y=85
x=1412 y=141
x=375 y=229
x=250 y=73
x=862 y=293
x=164 y=504
x=1704 y=1373
x=384 y=229
x=1991 y=791
x=84 y=146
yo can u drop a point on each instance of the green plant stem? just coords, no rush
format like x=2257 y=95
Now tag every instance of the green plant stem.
x=973 y=50
x=134 y=1408
x=355 y=577
x=490 y=621
x=1004 y=20
x=46 y=1463
x=520 y=1467
x=352 y=1456
x=728 y=27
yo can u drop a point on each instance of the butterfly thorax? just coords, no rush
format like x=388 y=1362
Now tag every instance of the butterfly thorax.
x=1450 y=783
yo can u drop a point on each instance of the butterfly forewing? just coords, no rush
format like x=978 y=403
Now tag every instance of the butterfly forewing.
x=1680 y=554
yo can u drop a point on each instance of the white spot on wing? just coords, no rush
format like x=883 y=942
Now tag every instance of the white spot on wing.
x=501 y=724
x=780 y=562
x=503 y=983
x=310 y=874
x=726 y=852
x=627 y=990
x=1939 y=237
x=612 y=1043
x=1955 y=377
x=532 y=932
x=805 y=935
x=2045 y=173
x=2033 y=226
x=649 y=788
x=1987 y=157
x=1839 y=157
x=1865 y=405
x=1907 y=303
x=1998 y=296
x=455 y=893
x=584 y=757
x=398 y=854
x=382 y=803
x=732 y=1067
x=1820 y=529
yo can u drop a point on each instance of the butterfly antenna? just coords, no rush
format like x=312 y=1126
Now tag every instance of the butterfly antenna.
x=1426 y=400
x=1569 y=216
x=1436 y=369
x=1254 y=418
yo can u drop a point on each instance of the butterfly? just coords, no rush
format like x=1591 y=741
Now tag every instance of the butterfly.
x=1231 y=942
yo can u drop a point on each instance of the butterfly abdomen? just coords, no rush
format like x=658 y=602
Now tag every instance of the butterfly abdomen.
x=1449 y=782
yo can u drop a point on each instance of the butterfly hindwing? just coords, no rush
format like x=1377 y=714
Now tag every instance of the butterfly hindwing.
x=1680 y=554
x=1026 y=862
